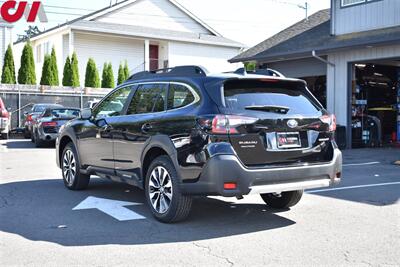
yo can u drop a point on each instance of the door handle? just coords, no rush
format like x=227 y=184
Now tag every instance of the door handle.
x=146 y=127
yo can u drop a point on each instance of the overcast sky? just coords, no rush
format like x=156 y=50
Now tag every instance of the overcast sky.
x=245 y=21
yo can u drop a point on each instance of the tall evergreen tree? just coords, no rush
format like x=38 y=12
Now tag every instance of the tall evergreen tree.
x=26 y=73
x=75 y=71
x=47 y=75
x=54 y=68
x=104 y=75
x=126 y=70
x=8 y=73
x=121 y=74
x=67 y=73
x=108 y=76
x=92 y=78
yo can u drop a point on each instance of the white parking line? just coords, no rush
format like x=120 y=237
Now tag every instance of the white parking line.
x=361 y=164
x=352 y=187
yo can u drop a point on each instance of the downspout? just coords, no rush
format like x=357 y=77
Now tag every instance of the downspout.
x=327 y=62
x=314 y=55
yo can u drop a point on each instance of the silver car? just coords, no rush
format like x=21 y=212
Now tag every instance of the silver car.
x=46 y=128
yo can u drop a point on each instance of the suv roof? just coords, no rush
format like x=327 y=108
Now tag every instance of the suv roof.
x=202 y=73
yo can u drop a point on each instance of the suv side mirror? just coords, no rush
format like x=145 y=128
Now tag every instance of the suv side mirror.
x=86 y=114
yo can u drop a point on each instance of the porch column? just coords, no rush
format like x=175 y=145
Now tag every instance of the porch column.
x=71 y=43
x=146 y=55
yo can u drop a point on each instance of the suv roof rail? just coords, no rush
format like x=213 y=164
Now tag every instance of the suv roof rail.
x=267 y=72
x=175 y=71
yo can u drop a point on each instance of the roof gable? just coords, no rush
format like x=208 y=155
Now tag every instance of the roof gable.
x=158 y=14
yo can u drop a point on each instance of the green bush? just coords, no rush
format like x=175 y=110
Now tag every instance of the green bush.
x=108 y=76
x=55 y=81
x=26 y=73
x=8 y=73
x=121 y=74
x=92 y=75
x=67 y=73
x=75 y=71
x=250 y=66
x=47 y=78
x=126 y=70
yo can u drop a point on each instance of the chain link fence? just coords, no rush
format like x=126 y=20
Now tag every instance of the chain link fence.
x=19 y=99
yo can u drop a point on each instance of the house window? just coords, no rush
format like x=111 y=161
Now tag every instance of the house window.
x=46 y=48
x=42 y=50
x=39 y=53
x=346 y=3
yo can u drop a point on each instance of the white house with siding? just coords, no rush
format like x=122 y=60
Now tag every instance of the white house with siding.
x=149 y=34
x=5 y=38
x=336 y=51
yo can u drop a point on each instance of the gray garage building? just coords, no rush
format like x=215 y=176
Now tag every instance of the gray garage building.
x=350 y=57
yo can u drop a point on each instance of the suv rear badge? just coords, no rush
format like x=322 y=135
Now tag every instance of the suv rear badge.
x=292 y=123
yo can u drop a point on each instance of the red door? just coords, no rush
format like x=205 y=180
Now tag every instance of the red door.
x=153 y=57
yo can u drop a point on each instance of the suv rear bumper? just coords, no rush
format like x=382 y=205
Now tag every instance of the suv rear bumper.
x=222 y=169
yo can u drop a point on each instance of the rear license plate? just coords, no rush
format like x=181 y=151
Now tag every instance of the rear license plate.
x=288 y=140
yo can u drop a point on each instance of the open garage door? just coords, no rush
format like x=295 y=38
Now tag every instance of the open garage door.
x=375 y=103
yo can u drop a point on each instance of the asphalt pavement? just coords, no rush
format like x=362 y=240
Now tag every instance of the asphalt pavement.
x=356 y=223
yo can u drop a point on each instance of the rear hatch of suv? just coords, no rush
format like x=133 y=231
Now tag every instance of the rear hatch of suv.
x=274 y=122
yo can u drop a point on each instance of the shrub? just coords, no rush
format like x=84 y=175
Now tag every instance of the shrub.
x=55 y=81
x=108 y=76
x=67 y=73
x=121 y=74
x=126 y=70
x=75 y=71
x=92 y=75
x=46 y=71
x=250 y=66
x=26 y=73
x=8 y=73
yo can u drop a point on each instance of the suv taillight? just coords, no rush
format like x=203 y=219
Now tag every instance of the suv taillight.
x=330 y=120
x=29 y=117
x=227 y=124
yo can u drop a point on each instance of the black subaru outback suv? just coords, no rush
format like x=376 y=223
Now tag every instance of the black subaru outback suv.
x=181 y=132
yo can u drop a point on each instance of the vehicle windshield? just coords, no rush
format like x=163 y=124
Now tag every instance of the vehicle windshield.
x=273 y=97
x=62 y=113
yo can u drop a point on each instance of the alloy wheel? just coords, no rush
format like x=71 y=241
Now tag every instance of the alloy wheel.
x=69 y=167
x=160 y=189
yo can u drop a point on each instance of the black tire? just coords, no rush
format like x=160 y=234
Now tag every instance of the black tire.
x=179 y=205
x=38 y=143
x=27 y=134
x=4 y=136
x=77 y=181
x=284 y=200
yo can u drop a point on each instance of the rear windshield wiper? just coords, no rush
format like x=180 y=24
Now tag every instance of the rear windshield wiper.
x=275 y=109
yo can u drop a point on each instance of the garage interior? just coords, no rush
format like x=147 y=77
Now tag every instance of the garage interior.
x=375 y=99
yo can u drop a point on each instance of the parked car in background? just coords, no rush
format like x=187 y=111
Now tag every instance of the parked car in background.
x=46 y=127
x=31 y=116
x=178 y=133
x=5 y=120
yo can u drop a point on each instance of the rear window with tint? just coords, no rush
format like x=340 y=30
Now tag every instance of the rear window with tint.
x=242 y=95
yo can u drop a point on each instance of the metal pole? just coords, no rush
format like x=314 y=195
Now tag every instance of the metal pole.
x=82 y=98
x=19 y=107
x=306 y=5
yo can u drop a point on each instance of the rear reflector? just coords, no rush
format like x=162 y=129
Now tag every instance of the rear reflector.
x=230 y=186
